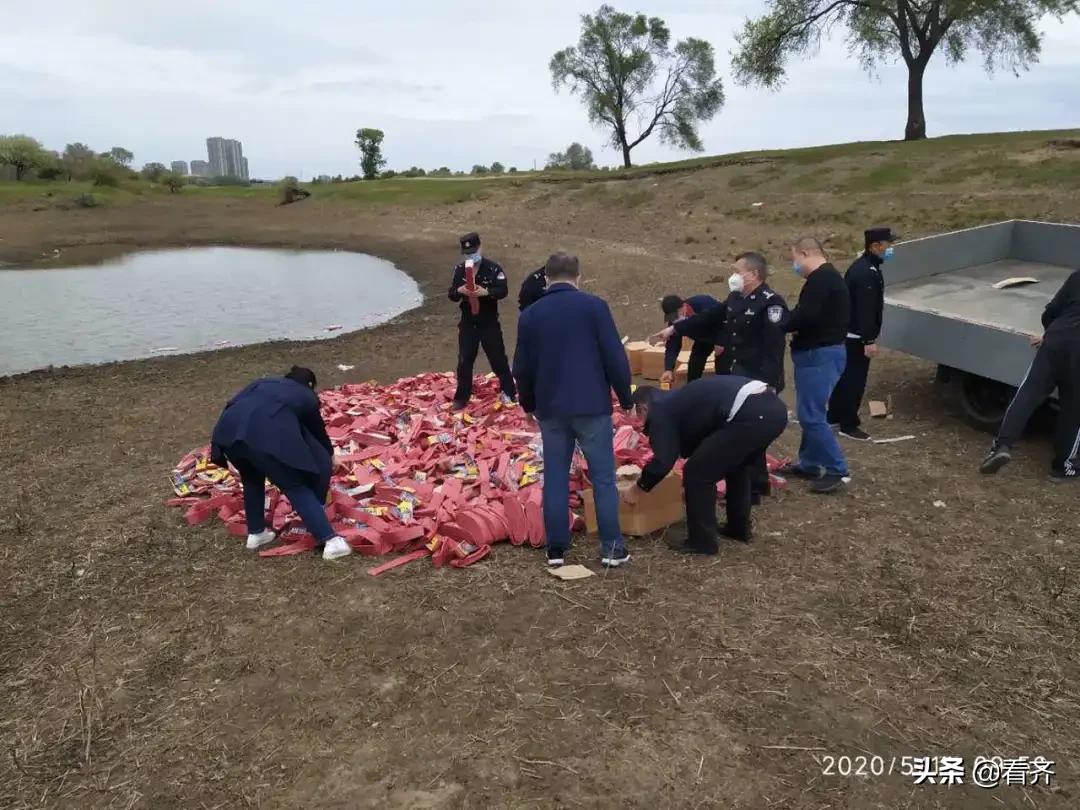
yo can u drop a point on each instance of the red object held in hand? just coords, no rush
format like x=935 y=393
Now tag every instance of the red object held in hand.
x=470 y=284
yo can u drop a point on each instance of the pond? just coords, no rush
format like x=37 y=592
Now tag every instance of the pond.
x=182 y=300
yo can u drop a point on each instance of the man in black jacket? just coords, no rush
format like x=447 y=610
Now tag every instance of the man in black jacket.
x=532 y=288
x=721 y=425
x=866 y=289
x=820 y=322
x=1056 y=365
x=480 y=327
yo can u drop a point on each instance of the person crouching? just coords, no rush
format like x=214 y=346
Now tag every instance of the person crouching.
x=721 y=426
x=273 y=429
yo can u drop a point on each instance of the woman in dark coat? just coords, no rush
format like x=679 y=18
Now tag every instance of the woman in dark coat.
x=273 y=429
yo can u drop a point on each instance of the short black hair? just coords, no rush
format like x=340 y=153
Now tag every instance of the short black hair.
x=304 y=376
x=644 y=395
x=562 y=265
x=809 y=244
x=756 y=262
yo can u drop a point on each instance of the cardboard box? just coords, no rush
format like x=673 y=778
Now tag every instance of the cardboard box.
x=634 y=352
x=684 y=356
x=687 y=344
x=654 y=511
x=652 y=362
x=682 y=374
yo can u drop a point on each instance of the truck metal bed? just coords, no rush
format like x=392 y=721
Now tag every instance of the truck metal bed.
x=940 y=302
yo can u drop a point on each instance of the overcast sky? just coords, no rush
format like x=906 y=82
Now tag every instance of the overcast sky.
x=452 y=83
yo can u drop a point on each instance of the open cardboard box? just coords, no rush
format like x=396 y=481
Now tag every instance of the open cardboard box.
x=652 y=362
x=634 y=353
x=654 y=510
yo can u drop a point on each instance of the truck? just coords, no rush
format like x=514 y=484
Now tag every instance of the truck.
x=971 y=302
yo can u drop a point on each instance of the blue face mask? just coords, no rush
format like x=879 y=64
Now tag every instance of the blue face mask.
x=889 y=253
x=473 y=257
x=795 y=267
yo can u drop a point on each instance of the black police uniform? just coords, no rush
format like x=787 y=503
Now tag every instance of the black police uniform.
x=483 y=328
x=532 y=288
x=751 y=330
x=1056 y=365
x=722 y=429
x=866 y=289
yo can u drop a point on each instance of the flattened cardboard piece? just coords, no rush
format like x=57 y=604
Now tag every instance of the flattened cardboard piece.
x=878 y=409
x=569 y=573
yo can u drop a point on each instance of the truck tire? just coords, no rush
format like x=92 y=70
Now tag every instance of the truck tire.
x=984 y=401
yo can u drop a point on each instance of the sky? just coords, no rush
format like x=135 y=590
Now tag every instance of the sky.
x=451 y=83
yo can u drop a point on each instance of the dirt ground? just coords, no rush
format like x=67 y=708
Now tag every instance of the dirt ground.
x=146 y=664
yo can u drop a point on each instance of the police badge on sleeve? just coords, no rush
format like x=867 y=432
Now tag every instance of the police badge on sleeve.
x=774 y=313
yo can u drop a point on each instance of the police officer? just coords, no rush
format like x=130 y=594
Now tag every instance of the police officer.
x=482 y=327
x=750 y=325
x=678 y=310
x=1056 y=365
x=866 y=289
x=532 y=288
x=721 y=425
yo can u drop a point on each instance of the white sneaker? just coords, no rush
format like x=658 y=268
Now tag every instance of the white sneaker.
x=257 y=541
x=336 y=548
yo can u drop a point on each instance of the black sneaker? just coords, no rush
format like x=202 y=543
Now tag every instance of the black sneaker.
x=683 y=547
x=459 y=406
x=556 y=557
x=792 y=469
x=1062 y=477
x=743 y=537
x=998 y=457
x=615 y=560
x=827 y=484
x=855 y=434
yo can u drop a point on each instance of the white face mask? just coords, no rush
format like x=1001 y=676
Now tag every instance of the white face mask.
x=735 y=283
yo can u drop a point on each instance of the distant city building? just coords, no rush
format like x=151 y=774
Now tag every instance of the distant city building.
x=200 y=168
x=180 y=167
x=226 y=158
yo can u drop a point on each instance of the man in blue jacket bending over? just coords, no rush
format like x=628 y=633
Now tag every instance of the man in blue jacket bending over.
x=567 y=362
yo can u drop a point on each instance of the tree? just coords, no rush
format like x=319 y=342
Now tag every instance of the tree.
x=576 y=158
x=512 y=170
x=498 y=168
x=154 y=171
x=1003 y=31
x=22 y=152
x=371 y=157
x=627 y=73
x=479 y=170
x=120 y=156
x=442 y=171
x=77 y=160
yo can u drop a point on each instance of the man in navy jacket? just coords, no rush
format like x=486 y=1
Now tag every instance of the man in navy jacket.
x=273 y=429
x=568 y=361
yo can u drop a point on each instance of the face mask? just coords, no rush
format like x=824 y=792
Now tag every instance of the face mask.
x=735 y=283
x=473 y=257
x=889 y=252
x=795 y=267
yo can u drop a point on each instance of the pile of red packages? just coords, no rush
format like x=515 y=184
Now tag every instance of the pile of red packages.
x=413 y=478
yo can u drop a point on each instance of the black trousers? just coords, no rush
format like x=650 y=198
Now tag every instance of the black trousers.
x=848 y=394
x=699 y=355
x=729 y=454
x=470 y=338
x=1056 y=365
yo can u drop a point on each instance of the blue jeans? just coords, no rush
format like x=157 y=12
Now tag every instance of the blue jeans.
x=594 y=435
x=816 y=373
x=305 y=491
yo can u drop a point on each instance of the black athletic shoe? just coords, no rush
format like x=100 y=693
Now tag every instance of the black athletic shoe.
x=742 y=537
x=855 y=434
x=998 y=457
x=459 y=406
x=827 y=484
x=1061 y=477
x=683 y=547
x=793 y=470
x=556 y=557
x=615 y=560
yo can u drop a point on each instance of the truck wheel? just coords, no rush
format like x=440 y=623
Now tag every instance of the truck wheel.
x=982 y=401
